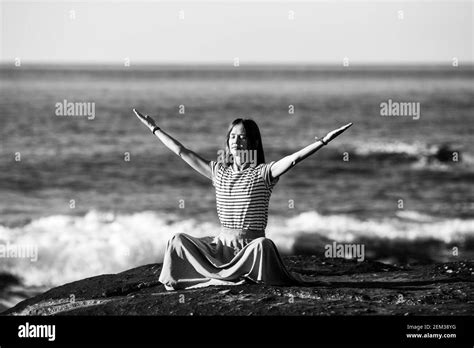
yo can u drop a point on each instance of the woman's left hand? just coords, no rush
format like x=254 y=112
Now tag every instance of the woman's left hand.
x=333 y=134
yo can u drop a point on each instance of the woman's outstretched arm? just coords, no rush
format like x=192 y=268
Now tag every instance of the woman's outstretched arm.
x=193 y=159
x=286 y=163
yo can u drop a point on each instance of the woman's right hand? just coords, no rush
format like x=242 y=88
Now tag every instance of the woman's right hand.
x=147 y=120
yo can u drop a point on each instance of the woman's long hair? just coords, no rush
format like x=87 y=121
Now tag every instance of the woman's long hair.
x=254 y=139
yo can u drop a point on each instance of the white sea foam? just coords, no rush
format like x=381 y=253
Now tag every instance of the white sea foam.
x=423 y=154
x=408 y=226
x=71 y=247
x=76 y=247
x=414 y=149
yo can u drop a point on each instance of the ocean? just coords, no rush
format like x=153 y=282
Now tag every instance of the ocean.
x=100 y=194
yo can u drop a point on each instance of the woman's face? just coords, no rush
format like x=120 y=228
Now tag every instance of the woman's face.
x=237 y=139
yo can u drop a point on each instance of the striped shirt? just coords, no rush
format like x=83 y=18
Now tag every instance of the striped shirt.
x=242 y=197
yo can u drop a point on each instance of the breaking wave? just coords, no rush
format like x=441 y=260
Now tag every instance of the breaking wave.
x=75 y=247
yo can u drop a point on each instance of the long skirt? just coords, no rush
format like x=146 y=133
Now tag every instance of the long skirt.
x=233 y=257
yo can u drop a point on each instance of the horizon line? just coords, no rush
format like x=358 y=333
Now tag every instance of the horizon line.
x=447 y=64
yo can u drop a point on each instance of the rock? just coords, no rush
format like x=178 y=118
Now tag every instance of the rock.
x=345 y=286
x=445 y=153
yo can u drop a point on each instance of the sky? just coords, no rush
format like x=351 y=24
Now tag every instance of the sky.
x=209 y=32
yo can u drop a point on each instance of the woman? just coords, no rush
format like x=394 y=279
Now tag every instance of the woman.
x=243 y=183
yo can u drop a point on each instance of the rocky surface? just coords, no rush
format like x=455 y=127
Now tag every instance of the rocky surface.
x=354 y=288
